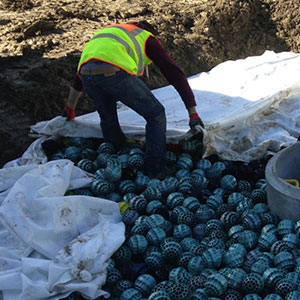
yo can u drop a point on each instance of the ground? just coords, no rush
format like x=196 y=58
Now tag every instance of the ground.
x=41 y=43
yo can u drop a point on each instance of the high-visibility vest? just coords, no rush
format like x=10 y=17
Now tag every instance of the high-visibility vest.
x=122 y=45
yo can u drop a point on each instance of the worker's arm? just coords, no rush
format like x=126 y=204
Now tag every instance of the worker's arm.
x=175 y=76
x=75 y=92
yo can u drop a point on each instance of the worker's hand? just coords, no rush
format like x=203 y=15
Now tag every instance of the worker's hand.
x=69 y=112
x=195 y=120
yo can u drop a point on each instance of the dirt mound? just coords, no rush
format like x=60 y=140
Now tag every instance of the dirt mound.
x=42 y=40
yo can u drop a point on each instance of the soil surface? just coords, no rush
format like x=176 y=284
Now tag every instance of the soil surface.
x=41 y=43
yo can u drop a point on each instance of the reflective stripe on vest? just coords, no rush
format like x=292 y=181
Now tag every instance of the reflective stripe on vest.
x=131 y=34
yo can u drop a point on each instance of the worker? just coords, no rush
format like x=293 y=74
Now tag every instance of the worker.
x=109 y=70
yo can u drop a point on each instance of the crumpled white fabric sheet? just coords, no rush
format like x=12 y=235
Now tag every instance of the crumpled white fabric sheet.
x=51 y=244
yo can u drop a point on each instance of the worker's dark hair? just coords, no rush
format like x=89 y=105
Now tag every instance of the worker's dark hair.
x=149 y=27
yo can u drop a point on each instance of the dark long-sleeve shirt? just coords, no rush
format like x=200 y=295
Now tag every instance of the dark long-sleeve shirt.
x=172 y=72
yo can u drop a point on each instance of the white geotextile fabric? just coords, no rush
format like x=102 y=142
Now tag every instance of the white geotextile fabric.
x=51 y=244
x=249 y=106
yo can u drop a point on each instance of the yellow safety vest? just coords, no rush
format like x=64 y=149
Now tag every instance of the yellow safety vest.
x=122 y=45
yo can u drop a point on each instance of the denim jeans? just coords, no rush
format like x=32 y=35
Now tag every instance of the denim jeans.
x=130 y=90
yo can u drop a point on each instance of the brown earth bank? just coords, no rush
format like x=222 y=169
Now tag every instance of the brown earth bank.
x=41 y=43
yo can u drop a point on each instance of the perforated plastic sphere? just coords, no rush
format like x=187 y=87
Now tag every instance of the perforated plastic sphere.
x=113 y=275
x=240 y=248
x=199 y=181
x=101 y=187
x=285 y=227
x=171 y=158
x=235 y=277
x=214 y=201
x=112 y=172
x=215 y=170
x=230 y=218
x=152 y=193
x=72 y=153
x=140 y=229
x=136 y=161
x=155 y=236
x=291 y=240
x=212 y=257
x=159 y=295
x=199 y=231
x=184 y=162
x=123 y=158
x=272 y=276
x=294 y=295
x=216 y=285
x=86 y=165
x=259 y=267
x=191 y=203
x=126 y=186
x=155 y=220
x=106 y=148
x=284 y=260
x=252 y=222
x=144 y=284
x=253 y=283
x=182 y=173
x=131 y=294
x=121 y=286
x=284 y=286
x=269 y=228
x=179 y=291
x=181 y=231
x=56 y=156
x=234 y=199
x=258 y=195
x=129 y=217
x=171 y=251
x=154 y=260
x=234 y=259
x=175 y=199
x=203 y=164
x=128 y=196
x=184 y=259
x=248 y=239
x=188 y=242
x=168 y=185
x=266 y=240
x=152 y=205
x=185 y=187
x=235 y=231
x=269 y=218
x=138 y=244
x=279 y=246
x=228 y=183
x=196 y=265
x=138 y=203
x=122 y=255
x=244 y=205
x=180 y=275
x=204 y=213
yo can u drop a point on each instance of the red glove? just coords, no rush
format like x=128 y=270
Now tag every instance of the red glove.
x=69 y=112
x=195 y=120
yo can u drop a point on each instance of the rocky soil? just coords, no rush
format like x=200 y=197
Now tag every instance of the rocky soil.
x=41 y=43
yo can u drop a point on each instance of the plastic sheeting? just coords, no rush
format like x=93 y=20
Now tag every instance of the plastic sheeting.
x=249 y=106
x=51 y=244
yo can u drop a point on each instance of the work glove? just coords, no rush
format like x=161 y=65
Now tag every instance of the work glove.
x=195 y=121
x=69 y=112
